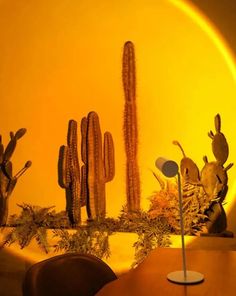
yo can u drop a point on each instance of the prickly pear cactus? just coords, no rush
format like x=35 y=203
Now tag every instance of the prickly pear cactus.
x=213 y=179
x=131 y=129
x=7 y=179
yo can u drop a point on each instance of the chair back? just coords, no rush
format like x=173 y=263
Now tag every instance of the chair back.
x=71 y=274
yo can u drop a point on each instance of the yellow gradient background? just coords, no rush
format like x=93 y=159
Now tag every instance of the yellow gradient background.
x=61 y=59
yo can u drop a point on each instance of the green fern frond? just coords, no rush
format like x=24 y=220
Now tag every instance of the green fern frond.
x=41 y=238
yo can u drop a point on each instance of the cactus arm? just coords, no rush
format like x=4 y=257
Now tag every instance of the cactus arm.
x=205 y=159
x=12 y=144
x=217 y=123
x=7 y=169
x=180 y=146
x=228 y=166
x=1 y=152
x=22 y=171
x=84 y=189
x=12 y=135
x=211 y=134
x=63 y=171
x=83 y=127
x=20 y=133
x=9 y=150
x=109 y=162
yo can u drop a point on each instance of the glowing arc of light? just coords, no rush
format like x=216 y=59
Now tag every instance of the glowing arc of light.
x=210 y=29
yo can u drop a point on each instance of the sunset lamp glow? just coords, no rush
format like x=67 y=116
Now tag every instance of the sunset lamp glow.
x=170 y=168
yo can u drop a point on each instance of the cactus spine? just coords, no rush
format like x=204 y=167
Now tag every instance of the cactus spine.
x=7 y=180
x=131 y=129
x=69 y=173
x=98 y=166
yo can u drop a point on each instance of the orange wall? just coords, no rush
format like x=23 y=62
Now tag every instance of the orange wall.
x=61 y=59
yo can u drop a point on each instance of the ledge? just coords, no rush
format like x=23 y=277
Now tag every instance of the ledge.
x=121 y=247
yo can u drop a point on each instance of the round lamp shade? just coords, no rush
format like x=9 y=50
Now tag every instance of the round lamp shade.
x=169 y=168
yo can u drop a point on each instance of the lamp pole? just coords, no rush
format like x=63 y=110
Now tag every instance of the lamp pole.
x=182 y=224
x=169 y=168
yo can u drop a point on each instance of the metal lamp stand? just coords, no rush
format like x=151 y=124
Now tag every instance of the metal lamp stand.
x=170 y=169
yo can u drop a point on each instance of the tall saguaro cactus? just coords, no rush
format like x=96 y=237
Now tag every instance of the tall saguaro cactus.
x=7 y=179
x=99 y=165
x=131 y=129
x=69 y=173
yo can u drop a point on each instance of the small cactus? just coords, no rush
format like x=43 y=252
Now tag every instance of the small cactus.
x=7 y=179
x=69 y=173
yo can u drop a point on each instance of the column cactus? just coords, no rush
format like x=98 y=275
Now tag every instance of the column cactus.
x=99 y=165
x=7 y=179
x=130 y=129
x=69 y=173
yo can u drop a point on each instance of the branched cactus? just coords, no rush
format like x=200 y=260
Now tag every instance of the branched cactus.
x=88 y=187
x=7 y=179
x=99 y=165
x=69 y=173
x=131 y=129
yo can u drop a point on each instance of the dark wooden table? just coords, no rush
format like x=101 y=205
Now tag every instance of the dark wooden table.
x=149 y=278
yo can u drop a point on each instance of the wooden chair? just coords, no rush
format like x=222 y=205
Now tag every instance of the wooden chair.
x=71 y=274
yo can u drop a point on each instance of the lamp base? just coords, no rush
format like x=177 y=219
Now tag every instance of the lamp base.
x=192 y=277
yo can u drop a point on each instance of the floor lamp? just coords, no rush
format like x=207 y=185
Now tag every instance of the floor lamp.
x=170 y=168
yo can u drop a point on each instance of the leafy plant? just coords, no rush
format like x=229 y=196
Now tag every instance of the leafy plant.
x=33 y=222
x=84 y=240
x=165 y=203
x=92 y=238
x=152 y=233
